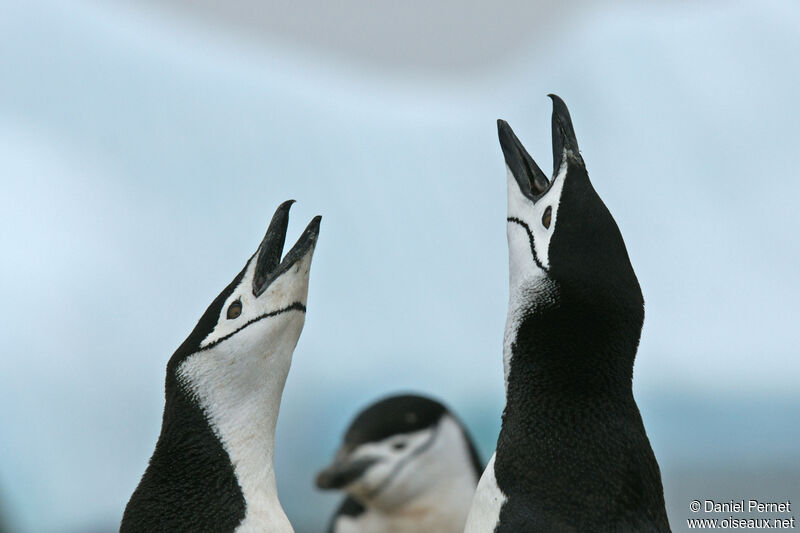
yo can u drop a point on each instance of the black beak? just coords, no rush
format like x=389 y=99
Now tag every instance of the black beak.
x=343 y=472
x=268 y=263
x=563 y=133
x=532 y=181
x=530 y=178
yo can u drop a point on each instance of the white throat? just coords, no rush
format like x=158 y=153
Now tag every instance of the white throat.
x=528 y=252
x=239 y=384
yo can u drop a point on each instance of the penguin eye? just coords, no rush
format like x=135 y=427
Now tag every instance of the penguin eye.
x=548 y=213
x=399 y=445
x=235 y=309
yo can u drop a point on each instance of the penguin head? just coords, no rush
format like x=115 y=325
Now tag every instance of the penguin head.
x=245 y=339
x=401 y=449
x=561 y=236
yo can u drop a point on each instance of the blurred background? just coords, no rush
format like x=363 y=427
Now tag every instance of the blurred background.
x=144 y=147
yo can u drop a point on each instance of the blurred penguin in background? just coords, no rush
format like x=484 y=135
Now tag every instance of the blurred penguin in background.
x=407 y=465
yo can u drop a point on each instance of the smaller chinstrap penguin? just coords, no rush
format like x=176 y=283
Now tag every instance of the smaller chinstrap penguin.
x=407 y=465
x=572 y=454
x=212 y=468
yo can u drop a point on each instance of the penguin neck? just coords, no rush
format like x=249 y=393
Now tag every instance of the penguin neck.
x=241 y=406
x=188 y=455
x=570 y=381
x=443 y=510
x=563 y=351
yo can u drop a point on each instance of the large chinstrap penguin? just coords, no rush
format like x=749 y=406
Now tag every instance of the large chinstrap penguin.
x=212 y=468
x=408 y=465
x=572 y=454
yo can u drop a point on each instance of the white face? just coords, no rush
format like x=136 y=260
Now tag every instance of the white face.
x=529 y=233
x=291 y=288
x=392 y=457
x=529 y=238
x=238 y=374
x=249 y=352
x=432 y=462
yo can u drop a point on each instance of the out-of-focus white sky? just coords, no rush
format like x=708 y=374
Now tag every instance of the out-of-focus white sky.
x=143 y=150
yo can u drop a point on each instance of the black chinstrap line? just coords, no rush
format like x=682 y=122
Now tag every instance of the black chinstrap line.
x=522 y=223
x=403 y=462
x=296 y=306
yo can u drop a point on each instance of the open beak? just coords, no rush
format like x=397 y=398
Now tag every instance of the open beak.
x=530 y=178
x=268 y=262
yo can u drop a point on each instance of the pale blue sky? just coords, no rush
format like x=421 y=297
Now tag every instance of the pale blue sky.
x=141 y=158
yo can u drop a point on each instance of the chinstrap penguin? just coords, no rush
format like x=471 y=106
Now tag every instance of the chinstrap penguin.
x=212 y=468
x=407 y=465
x=572 y=454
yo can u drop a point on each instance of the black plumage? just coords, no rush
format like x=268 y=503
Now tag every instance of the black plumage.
x=573 y=454
x=189 y=484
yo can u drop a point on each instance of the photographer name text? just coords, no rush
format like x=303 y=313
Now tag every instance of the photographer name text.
x=745 y=506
